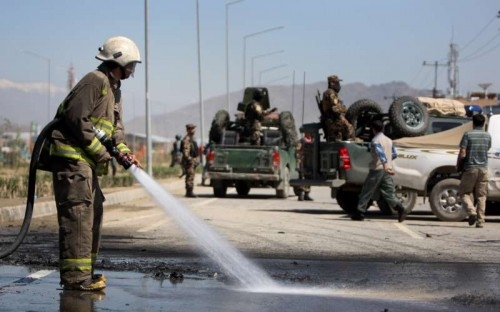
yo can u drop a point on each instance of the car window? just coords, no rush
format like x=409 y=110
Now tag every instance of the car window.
x=438 y=126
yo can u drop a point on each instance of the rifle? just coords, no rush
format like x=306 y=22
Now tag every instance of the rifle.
x=318 y=101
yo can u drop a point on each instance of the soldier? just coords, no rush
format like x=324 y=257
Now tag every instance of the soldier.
x=305 y=189
x=176 y=151
x=189 y=150
x=335 y=126
x=254 y=115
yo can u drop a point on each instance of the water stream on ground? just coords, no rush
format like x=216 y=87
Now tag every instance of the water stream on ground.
x=217 y=248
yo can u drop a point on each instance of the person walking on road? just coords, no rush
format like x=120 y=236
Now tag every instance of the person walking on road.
x=189 y=150
x=77 y=158
x=380 y=175
x=472 y=161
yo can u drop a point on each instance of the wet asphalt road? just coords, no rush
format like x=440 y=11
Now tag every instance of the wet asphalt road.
x=325 y=261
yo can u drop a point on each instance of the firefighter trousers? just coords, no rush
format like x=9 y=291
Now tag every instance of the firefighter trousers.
x=79 y=202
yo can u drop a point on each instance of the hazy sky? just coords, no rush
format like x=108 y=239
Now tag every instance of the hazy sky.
x=366 y=41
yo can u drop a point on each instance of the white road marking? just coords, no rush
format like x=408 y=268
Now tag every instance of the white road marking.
x=406 y=230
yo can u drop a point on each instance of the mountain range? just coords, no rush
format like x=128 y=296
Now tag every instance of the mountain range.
x=16 y=106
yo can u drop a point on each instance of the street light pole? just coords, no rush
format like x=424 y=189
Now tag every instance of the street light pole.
x=202 y=117
x=269 y=69
x=227 y=50
x=245 y=48
x=48 y=70
x=149 y=139
x=262 y=55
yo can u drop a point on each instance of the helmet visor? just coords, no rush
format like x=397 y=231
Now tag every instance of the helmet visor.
x=130 y=68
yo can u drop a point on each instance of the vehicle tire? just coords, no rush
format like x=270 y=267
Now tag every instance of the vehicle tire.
x=287 y=125
x=219 y=123
x=409 y=117
x=347 y=200
x=220 y=189
x=361 y=113
x=285 y=192
x=242 y=188
x=492 y=208
x=445 y=202
x=408 y=199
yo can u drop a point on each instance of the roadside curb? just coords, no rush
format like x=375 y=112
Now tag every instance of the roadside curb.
x=47 y=206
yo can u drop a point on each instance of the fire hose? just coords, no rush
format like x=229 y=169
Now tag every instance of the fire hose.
x=108 y=142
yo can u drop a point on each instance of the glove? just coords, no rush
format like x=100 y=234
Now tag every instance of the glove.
x=134 y=160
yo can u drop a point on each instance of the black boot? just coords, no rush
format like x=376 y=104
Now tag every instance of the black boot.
x=307 y=197
x=402 y=213
x=190 y=194
x=301 y=196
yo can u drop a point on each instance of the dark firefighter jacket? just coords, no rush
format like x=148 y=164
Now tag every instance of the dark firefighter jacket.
x=93 y=102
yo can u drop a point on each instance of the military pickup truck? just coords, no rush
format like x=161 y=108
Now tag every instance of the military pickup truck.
x=234 y=162
x=343 y=166
x=427 y=165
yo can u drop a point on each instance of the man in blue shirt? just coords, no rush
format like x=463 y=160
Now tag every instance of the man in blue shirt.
x=472 y=160
x=380 y=175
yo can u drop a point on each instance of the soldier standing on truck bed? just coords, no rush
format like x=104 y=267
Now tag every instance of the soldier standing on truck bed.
x=254 y=115
x=335 y=126
x=189 y=150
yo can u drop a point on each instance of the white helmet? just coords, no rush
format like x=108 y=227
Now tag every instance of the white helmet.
x=120 y=50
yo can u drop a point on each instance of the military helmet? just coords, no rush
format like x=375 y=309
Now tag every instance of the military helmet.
x=120 y=50
x=190 y=126
x=178 y=136
x=334 y=78
x=257 y=95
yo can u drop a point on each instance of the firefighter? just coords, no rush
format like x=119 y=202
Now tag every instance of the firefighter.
x=77 y=158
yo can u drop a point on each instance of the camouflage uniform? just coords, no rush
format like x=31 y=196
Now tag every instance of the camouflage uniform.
x=304 y=190
x=189 y=151
x=335 y=125
x=254 y=116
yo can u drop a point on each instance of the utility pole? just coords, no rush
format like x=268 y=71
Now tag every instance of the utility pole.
x=435 y=64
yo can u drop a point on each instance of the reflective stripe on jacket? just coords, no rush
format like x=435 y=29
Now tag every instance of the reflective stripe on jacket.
x=93 y=102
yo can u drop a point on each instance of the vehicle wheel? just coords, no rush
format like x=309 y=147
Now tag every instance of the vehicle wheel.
x=287 y=125
x=409 y=117
x=408 y=199
x=347 y=200
x=219 y=123
x=242 y=188
x=285 y=192
x=360 y=114
x=445 y=202
x=220 y=189
x=492 y=208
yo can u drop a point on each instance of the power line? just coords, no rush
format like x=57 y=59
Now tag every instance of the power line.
x=479 y=33
x=473 y=55
x=482 y=54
